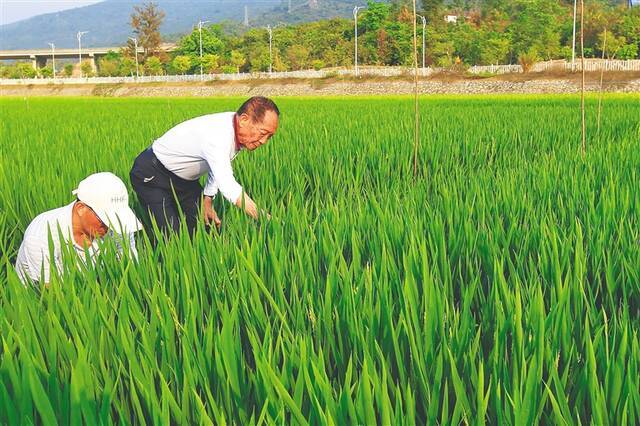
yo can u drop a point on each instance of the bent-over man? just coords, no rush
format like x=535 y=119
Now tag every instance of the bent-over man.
x=165 y=175
x=101 y=209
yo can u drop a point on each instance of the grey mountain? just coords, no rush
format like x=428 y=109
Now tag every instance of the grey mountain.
x=108 y=22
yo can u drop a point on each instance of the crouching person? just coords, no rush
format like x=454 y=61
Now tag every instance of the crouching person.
x=101 y=209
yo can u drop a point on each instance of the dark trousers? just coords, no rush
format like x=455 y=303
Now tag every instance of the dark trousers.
x=163 y=194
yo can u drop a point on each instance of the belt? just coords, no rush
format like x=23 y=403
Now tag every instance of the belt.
x=158 y=164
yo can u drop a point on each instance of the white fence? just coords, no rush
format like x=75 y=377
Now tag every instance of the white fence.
x=495 y=69
x=301 y=74
x=590 y=65
x=562 y=65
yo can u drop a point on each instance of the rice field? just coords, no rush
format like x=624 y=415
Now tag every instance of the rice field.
x=499 y=286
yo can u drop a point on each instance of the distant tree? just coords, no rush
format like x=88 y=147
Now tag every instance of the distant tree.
x=628 y=26
x=229 y=69
x=278 y=64
x=213 y=41
x=68 y=70
x=46 y=72
x=491 y=6
x=108 y=67
x=536 y=26
x=433 y=10
x=528 y=59
x=237 y=59
x=145 y=21
x=494 y=49
x=127 y=67
x=24 y=70
x=259 y=59
x=298 y=56
x=210 y=63
x=405 y=16
x=181 y=63
x=153 y=66
x=113 y=56
x=375 y=15
x=383 y=46
x=613 y=44
x=87 y=69
x=441 y=49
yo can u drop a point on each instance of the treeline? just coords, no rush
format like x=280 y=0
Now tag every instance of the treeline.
x=484 y=32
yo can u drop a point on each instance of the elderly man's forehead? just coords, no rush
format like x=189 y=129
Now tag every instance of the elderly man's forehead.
x=270 y=122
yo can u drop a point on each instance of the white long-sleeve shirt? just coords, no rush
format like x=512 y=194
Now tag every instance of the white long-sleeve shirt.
x=202 y=145
x=34 y=261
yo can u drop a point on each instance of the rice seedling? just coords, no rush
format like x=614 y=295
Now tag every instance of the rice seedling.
x=499 y=286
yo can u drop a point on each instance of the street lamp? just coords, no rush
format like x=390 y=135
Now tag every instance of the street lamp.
x=135 y=43
x=355 y=17
x=270 y=31
x=424 y=28
x=53 y=60
x=79 y=35
x=200 y=24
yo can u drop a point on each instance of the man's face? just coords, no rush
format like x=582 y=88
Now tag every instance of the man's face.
x=252 y=135
x=91 y=223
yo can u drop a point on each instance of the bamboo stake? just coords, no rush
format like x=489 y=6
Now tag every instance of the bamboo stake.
x=417 y=110
x=604 y=48
x=584 y=130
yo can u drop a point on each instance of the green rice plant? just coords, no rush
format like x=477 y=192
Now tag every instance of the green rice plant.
x=498 y=287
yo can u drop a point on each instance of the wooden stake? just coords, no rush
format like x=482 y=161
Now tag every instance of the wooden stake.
x=604 y=48
x=417 y=110
x=584 y=129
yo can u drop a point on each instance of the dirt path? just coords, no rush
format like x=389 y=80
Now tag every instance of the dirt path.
x=442 y=84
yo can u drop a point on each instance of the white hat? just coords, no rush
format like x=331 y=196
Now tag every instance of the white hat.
x=107 y=196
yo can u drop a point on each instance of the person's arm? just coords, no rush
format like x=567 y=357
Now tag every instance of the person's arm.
x=119 y=241
x=34 y=266
x=222 y=172
x=133 y=251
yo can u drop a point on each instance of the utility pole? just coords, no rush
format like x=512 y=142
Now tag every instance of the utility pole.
x=270 y=31
x=246 y=15
x=200 y=24
x=79 y=35
x=53 y=59
x=135 y=43
x=355 y=18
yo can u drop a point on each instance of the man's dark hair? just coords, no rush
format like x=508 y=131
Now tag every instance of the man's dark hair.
x=256 y=107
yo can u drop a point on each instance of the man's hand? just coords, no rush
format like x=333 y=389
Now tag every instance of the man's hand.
x=210 y=215
x=249 y=206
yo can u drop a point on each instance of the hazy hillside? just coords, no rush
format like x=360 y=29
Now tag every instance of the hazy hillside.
x=108 y=21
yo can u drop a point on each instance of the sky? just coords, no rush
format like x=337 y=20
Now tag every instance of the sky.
x=16 y=10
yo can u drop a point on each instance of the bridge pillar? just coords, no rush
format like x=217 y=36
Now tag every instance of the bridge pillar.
x=94 y=66
x=41 y=61
x=34 y=62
